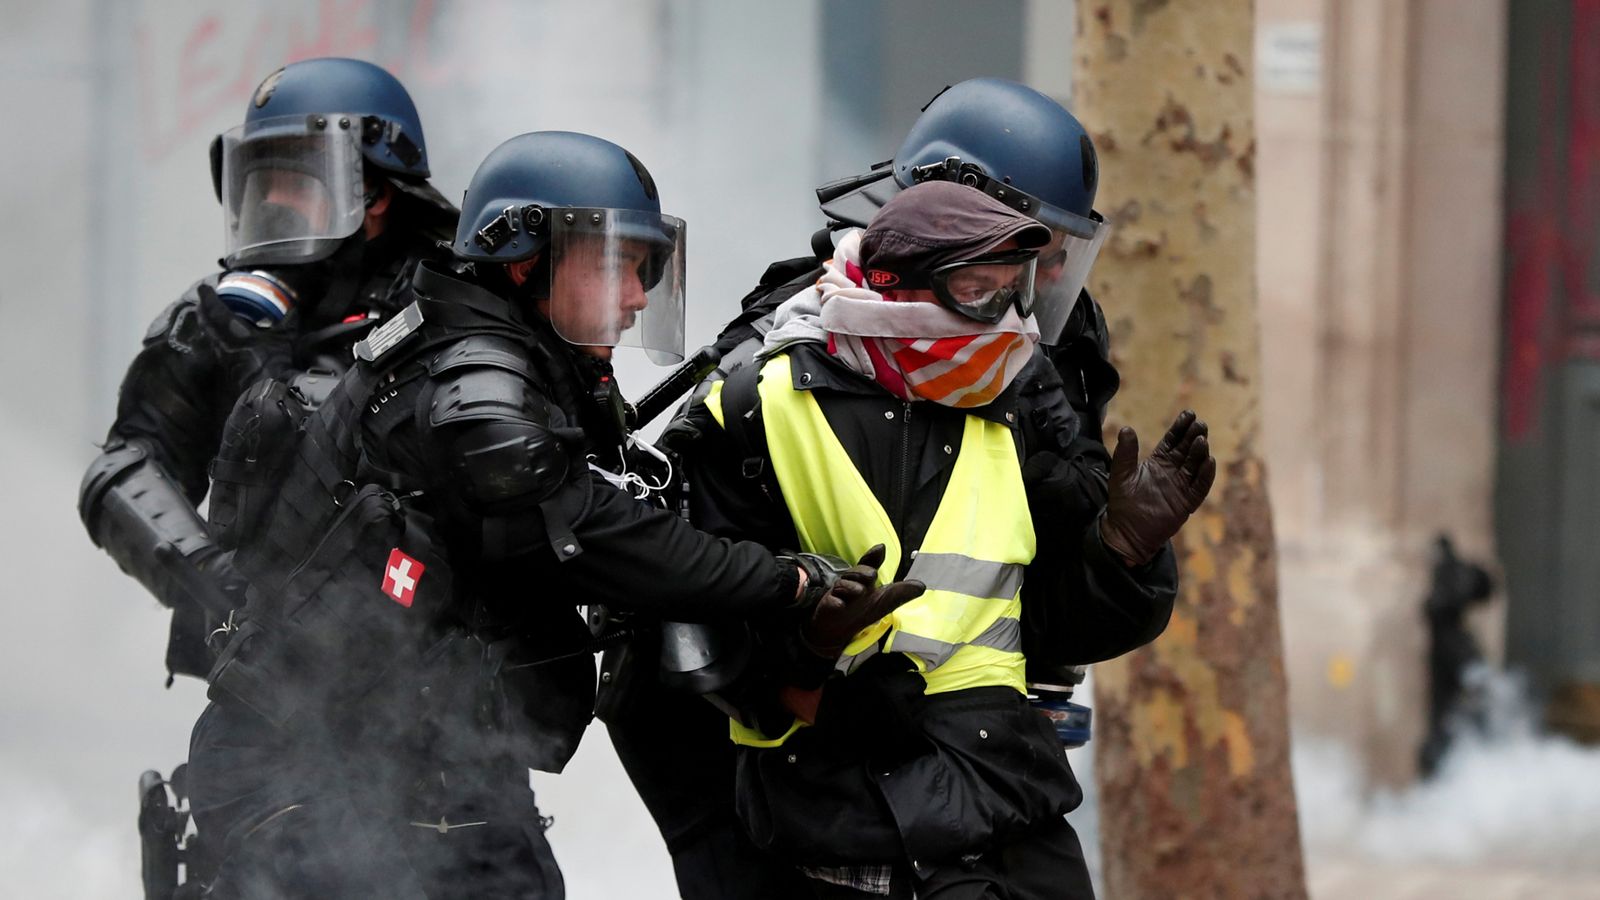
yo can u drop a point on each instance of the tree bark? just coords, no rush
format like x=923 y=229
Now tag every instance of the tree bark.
x=1192 y=742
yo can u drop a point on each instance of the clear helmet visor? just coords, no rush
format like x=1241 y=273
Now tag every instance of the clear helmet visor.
x=616 y=280
x=1063 y=267
x=292 y=189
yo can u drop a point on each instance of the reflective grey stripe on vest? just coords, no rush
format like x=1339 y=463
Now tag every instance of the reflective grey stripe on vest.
x=1005 y=634
x=848 y=664
x=966 y=575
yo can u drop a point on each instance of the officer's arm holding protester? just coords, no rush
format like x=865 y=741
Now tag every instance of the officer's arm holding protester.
x=437 y=520
x=902 y=518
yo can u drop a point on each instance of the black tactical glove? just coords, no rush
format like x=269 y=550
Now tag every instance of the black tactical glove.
x=206 y=588
x=851 y=603
x=207 y=578
x=1151 y=499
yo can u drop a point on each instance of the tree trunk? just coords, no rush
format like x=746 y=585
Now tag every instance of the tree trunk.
x=1192 y=742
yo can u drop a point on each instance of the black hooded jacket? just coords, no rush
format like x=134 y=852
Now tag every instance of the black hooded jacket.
x=888 y=770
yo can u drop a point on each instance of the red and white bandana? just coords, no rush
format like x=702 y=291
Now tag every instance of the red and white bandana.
x=918 y=351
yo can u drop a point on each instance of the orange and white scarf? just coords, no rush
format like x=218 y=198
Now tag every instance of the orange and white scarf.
x=916 y=351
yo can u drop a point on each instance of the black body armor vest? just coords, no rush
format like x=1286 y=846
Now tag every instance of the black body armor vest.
x=351 y=595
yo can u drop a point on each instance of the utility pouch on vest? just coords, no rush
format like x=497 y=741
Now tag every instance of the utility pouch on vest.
x=352 y=618
x=522 y=703
x=458 y=704
x=260 y=433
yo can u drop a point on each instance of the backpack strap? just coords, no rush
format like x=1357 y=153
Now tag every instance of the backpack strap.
x=741 y=419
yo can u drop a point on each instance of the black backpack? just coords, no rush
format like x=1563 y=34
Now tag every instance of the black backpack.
x=349 y=592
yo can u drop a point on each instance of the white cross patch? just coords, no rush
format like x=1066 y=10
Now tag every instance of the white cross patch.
x=400 y=577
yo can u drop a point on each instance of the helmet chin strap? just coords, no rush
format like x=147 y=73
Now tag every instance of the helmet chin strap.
x=332 y=283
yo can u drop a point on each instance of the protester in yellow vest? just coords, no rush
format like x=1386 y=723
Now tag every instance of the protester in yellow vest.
x=904 y=760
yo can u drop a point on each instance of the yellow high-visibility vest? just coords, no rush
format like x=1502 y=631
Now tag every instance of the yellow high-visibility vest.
x=966 y=630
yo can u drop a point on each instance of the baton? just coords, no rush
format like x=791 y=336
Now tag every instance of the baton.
x=678 y=382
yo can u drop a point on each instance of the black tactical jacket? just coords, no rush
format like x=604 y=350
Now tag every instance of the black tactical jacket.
x=472 y=433
x=197 y=358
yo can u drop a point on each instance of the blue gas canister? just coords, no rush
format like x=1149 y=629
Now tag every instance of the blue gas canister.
x=1072 y=721
x=1052 y=697
x=256 y=296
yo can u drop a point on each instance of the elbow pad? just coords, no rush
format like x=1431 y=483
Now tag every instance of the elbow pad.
x=135 y=512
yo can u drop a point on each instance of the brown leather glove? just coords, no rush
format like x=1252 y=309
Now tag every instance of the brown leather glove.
x=1150 y=500
x=852 y=604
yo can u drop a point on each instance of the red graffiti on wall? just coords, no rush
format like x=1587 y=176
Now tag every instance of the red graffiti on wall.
x=212 y=75
x=1553 y=229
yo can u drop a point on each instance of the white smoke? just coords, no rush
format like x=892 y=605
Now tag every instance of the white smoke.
x=1507 y=796
x=51 y=849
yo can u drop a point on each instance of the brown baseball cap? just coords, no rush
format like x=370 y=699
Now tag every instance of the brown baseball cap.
x=938 y=222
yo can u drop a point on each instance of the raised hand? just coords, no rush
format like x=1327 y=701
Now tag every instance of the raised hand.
x=1151 y=499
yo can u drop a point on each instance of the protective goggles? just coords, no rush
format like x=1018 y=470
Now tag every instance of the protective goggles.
x=982 y=288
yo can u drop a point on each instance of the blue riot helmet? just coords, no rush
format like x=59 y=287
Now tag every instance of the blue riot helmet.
x=292 y=177
x=609 y=266
x=1016 y=145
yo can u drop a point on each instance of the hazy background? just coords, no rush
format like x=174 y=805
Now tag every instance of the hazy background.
x=739 y=110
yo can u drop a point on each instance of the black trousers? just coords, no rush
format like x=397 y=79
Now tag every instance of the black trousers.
x=1045 y=864
x=288 y=822
x=677 y=753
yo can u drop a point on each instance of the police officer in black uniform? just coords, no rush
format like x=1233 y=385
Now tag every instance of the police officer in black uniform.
x=327 y=208
x=412 y=641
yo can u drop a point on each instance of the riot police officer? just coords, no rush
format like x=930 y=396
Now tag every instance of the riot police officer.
x=327 y=208
x=412 y=641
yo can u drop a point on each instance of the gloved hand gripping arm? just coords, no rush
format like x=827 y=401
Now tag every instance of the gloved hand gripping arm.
x=843 y=600
x=850 y=602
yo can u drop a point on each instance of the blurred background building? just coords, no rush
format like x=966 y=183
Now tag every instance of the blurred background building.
x=1429 y=264
x=1429 y=285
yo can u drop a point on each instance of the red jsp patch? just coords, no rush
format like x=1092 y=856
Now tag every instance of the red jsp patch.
x=881 y=279
x=400 y=577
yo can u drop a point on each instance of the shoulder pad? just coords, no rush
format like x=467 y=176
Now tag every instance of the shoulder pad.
x=177 y=320
x=1083 y=357
x=483 y=351
x=163 y=323
x=479 y=393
